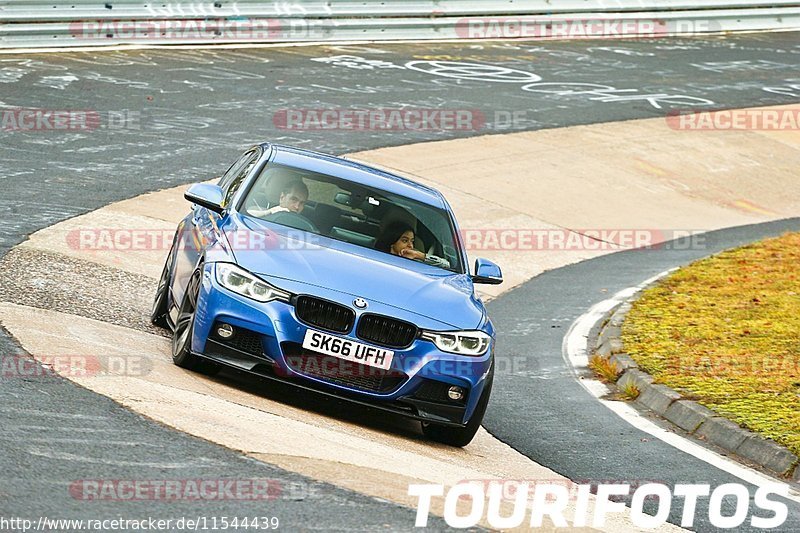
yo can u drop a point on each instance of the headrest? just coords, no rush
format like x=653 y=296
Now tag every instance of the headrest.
x=277 y=180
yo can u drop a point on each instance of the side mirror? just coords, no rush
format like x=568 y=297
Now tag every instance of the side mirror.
x=487 y=272
x=205 y=195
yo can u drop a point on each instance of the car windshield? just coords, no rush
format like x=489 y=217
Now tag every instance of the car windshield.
x=353 y=213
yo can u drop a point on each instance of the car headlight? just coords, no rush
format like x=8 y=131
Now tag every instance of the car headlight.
x=243 y=282
x=461 y=342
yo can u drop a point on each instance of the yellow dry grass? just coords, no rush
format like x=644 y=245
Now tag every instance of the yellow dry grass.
x=725 y=331
x=604 y=368
x=629 y=391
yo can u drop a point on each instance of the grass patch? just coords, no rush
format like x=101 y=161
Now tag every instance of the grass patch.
x=725 y=331
x=630 y=391
x=604 y=368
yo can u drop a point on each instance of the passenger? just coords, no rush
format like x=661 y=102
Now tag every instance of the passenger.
x=398 y=239
x=293 y=198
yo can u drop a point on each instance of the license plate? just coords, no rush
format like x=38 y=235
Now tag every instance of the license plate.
x=347 y=349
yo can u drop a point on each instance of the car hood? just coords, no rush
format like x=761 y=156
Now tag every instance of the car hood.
x=358 y=272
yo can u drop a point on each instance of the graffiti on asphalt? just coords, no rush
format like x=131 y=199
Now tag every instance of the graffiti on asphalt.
x=498 y=74
x=792 y=88
x=609 y=94
x=744 y=65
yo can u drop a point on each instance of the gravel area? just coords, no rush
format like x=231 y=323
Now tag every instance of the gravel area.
x=52 y=281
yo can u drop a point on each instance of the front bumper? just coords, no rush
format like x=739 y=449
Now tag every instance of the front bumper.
x=268 y=338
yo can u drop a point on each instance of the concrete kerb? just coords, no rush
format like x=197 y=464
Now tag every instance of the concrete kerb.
x=688 y=415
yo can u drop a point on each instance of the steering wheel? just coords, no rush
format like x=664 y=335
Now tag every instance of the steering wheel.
x=293 y=220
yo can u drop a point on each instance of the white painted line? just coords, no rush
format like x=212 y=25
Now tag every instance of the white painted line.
x=574 y=346
x=741 y=471
x=576 y=353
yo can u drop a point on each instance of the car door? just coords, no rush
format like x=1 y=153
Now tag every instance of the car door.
x=200 y=229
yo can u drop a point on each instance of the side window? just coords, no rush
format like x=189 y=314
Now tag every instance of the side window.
x=226 y=178
x=238 y=174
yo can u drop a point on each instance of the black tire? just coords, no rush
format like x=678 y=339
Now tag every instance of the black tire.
x=158 y=315
x=184 y=327
x=460 y=437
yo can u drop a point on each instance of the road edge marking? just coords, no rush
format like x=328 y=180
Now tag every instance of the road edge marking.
x=574 y=349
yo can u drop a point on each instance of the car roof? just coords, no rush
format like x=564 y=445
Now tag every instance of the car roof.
x=355 y=172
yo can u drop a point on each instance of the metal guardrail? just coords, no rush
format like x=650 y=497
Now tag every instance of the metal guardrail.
x=40 y=23
x=44 y=10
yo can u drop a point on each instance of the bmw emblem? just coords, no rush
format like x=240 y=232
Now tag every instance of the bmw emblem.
x=361 y=303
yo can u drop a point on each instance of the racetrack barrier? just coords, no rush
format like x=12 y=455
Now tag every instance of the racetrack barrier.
x=47 y=24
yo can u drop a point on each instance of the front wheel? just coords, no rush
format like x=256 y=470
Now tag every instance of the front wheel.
x=184 y=327
x=158 y=315
x=462 y=436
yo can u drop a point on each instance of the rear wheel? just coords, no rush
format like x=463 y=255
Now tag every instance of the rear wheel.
x=184 y=327
x=462 y=436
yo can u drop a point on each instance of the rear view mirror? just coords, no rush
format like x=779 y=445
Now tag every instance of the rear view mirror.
x=487 y=272
x=205 y=195
x=342 y=198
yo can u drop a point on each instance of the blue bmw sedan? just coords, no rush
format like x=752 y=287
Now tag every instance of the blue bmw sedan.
x=338 y=278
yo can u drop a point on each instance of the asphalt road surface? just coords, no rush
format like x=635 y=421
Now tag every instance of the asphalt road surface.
x=167 y=117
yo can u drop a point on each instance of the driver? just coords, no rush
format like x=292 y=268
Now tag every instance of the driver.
x=293 y=198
